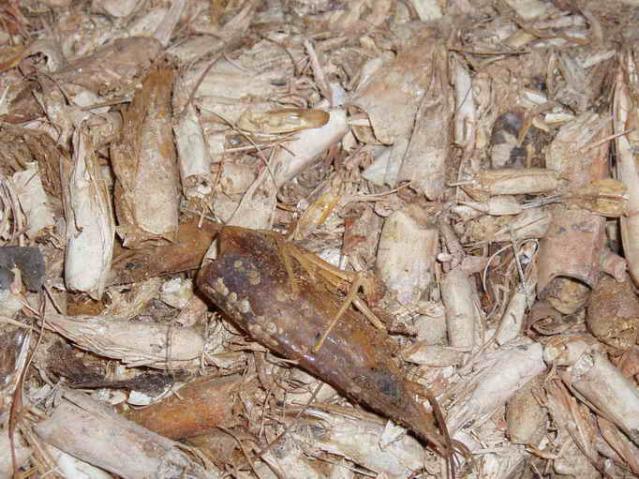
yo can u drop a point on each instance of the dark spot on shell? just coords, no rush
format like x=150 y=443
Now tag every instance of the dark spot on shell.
x=386 y=383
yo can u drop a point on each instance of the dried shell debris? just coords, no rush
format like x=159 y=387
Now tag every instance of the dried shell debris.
x=312 y=238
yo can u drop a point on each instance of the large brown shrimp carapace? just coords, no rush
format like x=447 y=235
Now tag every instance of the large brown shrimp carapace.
x=270 y=289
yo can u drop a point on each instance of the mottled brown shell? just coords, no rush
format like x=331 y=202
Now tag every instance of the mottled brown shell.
x=288 y=313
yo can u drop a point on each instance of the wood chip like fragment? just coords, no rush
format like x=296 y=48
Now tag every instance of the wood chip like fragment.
x=501 y=374
x=135 y=343
x=613 y=313
x=580 y=135
x=301 y=153
x=197 y=408
x=424 y=162
x=512 y=321
x=462 y=314
x=525 y=415
x=282 y=121
x=512 y=181
x=90 y=431
x=193 y=155
x=406 y=253
x=359 y=440
x=624 y=118
x=429 y=355
x=33 y=201
x=144 y=162
x=603 y=385
x=89 y=220
x=22 y=454
x=113 y=66
x=584 y=231
x=185 y=254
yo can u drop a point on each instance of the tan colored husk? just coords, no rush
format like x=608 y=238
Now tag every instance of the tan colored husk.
x=299 y=154
x=290 y=461
x=583 y=233
x=226 y=88
x=465 y=108
x=70 y=466
x=424 y=162
x=532 y=223
x=605 y=197
x=500 y=458
x=135 y=343
x=357 y=438
x=525 y=416
x=462 y=314
x=112 y=67
x=130 y=301
x=499 y=375
x=86 y=428
x=144 y=162
x=193 y=155
x=620 y=444
x=288 y=120
x=576 y=432
x=625 y=116
x=232 y=182
x=235 y=178
x=323 y=204
x=214 y=39
x=529 y=9
x=512 y=181
x=606 y=389
x=89 y=220
x=430 y=325
x=22 y=454
x=613 y=313
x=578 y=153
x=164 y=31
x=257 y=207
x=176 y=292
x=406 y=253
x=194 y=312
x=427 y=9
x=565 y=350
x=408 y=101
x=390 y=97
x=429 y=355
x=33 y=200
x=497 y=206
x=512 y=321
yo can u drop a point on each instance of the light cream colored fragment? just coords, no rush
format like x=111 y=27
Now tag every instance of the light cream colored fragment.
x=89 y=220
x=33 y=200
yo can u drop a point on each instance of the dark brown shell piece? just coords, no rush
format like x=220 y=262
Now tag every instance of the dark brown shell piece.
x=285 y=309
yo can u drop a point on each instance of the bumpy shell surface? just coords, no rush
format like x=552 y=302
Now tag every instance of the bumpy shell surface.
x=288 y=313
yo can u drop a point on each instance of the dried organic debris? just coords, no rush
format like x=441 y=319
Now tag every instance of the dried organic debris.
x=144 y=163
x=319 y=238
x=269 y=288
